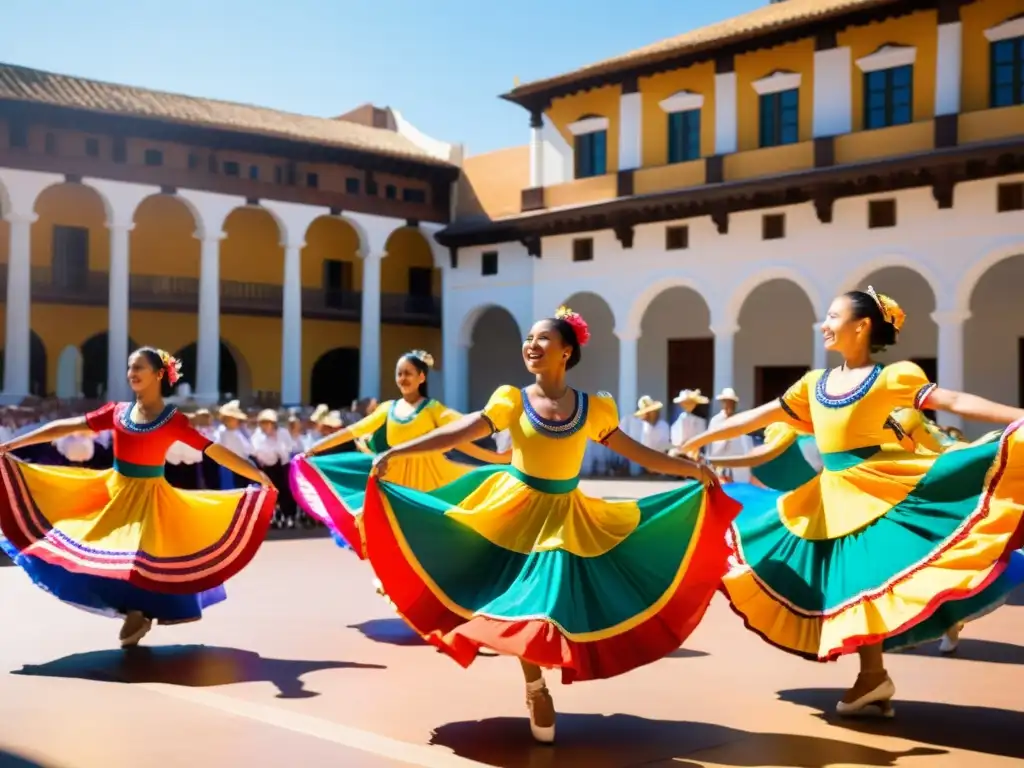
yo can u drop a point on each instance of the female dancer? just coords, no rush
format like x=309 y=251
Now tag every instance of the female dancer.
x=887 y=547
x=123 y=542
x=331 y=488
x=518 y=560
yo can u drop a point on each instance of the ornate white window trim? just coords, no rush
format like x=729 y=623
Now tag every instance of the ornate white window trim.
x=683 y=101
x=1008 y=30
x=888 y=57
x=777 y=82
x=588 y=125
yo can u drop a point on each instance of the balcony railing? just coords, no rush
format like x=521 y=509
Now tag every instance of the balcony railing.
x=181 y=294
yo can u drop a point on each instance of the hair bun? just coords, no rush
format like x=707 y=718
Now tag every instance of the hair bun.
x=424 y=357
x=579 y=325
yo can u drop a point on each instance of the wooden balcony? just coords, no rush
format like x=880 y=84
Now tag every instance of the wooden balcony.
x=181 y=294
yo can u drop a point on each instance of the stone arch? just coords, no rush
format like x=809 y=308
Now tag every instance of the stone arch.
x=76 y=216
x=334 y=379
x=630 y=324
x=234 y=376
x=675 y=350
x=993 y=336
x=744 y=290
x=494 y=339
x=599 y=368
x=980 y=268
x=409 y=269
x=774 y=344
x=331 y=261
x=94 y=365
x=69 y=373
x=858 y=278
x=251 y=251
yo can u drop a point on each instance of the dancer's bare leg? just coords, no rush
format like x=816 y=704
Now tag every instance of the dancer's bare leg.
x=872 y=693
x=540 y=704
x=951 y=639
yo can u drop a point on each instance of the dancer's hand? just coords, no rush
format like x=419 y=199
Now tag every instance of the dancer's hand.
x=266 y=482
x=380 y=463
x=708 y=477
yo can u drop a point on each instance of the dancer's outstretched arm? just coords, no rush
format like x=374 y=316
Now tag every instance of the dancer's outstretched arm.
x=231 y=460
x=468 y=429
x=742 y=423
x=483 y=454
x=655 y=461
x=971 y=406
x=762 y=454
x=47 y=433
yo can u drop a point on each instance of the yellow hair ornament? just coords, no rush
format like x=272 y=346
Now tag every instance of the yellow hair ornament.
x=891 y=311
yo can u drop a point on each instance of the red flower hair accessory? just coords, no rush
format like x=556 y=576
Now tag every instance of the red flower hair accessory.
x=172 y=365
x=579 y=325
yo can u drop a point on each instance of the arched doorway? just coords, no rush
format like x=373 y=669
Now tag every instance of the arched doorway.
x=69 y=373
x=335 y=378
x=94 y=365
x=36 y=365
x=494 y=356
x=229 y=379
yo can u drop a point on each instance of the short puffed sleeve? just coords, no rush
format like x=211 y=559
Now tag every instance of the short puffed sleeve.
x=373 y=422
x=184 y=432
x=780 y=434
x=443 y=416
x=502 y=408
x=797 y=400
x=102 y=418
x=602 y=417
x=907 y=385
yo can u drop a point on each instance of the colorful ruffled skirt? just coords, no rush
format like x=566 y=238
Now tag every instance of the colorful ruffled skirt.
x=885 y=546
x=533 y=568
x=332 y=488
x=110 y=544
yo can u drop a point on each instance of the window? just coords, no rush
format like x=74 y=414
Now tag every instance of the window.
x=1007 y=73
x=1010 y=197
x=291 y=174
x=780 y=118
x=881 y=214
x=684 y=136
x=92 y=147
x=193 y=161
x=489 y=263
x=677 y=238
x=583 y=249
x=371 y=187
x=254 y=173
x=17 y=134
x=50 y=145
x=391 y=192
x=337 y=275
x=211 y=164
x=278 y=174
x=591 y=154
x=313 y=180
x=773 y=226
x=120 y=151
x=889 y=97
x=351 y=186
x=421 y=282
x=232 y=168
x=70 y=257
x=410 y=195
x=153 y=157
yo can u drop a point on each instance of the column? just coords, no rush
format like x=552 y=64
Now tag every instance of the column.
x=18 y=346
x=630 y=128
x=369 y=331
x=536 y=149
x=948 y=65
x=208 y=347
x=819 y=357
x=725 y=361
x=833 y=92
x=725 y=112
x=627 y=371
x=117 y=308
x=950 y=363
x=456 y=372
x=291 y=326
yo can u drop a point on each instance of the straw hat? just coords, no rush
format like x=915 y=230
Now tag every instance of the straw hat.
x=647 y=404
x=318 y=413
x=332 y=420
x=728 y=394
x=690 y=396
x=232 y=410
x=267 y=415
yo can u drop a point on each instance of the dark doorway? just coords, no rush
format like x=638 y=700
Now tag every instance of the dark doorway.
x=772 y=381
x=335 y=378
x=228 y=369
x=691 y=365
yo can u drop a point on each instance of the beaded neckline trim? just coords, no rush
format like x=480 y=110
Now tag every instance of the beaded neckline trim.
x=848 y=398
x=159 y=421
x=558 y=429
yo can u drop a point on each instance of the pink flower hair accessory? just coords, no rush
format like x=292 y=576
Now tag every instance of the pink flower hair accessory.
x=579 y=325
x=172 y=365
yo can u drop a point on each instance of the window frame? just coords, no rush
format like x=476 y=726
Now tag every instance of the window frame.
x=1017 y=62
x=684 y=129
x=889 y=92
x=777 y=98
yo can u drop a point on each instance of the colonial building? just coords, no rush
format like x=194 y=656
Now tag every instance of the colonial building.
x=700 y=201
x=281 y=256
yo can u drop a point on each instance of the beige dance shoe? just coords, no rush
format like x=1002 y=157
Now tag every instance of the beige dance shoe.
x=135 y=627
x=542 y=711
x=875 y=703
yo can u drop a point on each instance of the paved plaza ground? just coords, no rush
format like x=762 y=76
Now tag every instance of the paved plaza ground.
x=304 y=666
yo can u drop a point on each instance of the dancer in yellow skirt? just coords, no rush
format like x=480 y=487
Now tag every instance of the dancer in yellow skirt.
x=331 y=488
x=886 y=547
x=517 y=559
x=122 y=542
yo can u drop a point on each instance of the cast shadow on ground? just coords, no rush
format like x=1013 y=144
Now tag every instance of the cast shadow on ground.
x=975 y=729
x=192 y=666
x=969 y=649
x=11 y=760
x=618 y=741
x=395 y=632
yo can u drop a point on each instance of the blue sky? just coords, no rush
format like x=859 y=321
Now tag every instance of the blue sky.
x=442 y=64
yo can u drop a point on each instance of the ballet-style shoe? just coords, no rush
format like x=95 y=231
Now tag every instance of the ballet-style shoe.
x=135 y=627
x=875 y=703
x=950 y=640
x=541 y=707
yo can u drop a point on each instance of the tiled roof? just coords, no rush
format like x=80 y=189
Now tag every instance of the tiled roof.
x=764 y=20
x=36 y=86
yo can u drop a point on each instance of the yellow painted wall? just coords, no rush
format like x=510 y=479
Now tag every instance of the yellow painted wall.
x=975 y=19
x=164 y=330
x=699 y=78
x=258 y=341
x=395 y=341
x=406 y=247
x=251 y=252
x=603 y=102
x=71 y=205
x=919 y=30
x=163 y=241
x=793 y=57
x=330 y=238
x=318 y=338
